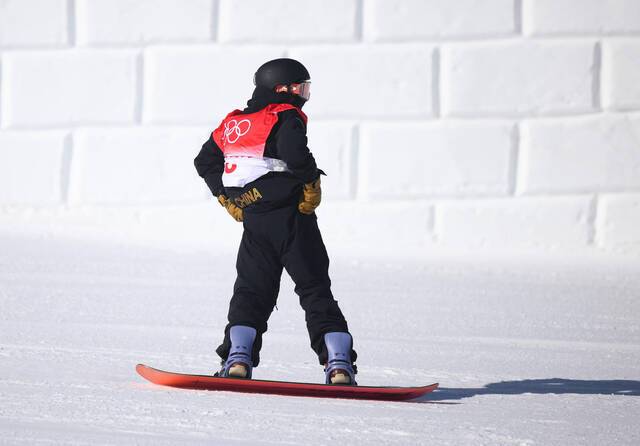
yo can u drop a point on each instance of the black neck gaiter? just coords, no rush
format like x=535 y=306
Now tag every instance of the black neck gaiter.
x=263 y=96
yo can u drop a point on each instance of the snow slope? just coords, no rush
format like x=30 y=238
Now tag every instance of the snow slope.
x=526 y=352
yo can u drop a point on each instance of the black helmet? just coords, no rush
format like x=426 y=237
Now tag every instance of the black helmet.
x=280 y=72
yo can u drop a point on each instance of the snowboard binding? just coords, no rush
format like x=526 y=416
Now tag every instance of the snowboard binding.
x=339 y=369
x=239 y=363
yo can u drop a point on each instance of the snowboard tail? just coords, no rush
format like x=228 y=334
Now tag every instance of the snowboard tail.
x=207 y=382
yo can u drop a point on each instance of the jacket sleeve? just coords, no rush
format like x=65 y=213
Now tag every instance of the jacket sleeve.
x=210 y=165
x=292 y=147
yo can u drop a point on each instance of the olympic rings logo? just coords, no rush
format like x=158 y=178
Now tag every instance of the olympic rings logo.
x=233 y=130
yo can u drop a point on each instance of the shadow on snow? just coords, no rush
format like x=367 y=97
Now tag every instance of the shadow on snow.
x=540 y=386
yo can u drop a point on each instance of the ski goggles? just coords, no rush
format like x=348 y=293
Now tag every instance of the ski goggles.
x=302 y=89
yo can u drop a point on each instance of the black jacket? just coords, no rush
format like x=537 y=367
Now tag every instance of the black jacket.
x=287 y=142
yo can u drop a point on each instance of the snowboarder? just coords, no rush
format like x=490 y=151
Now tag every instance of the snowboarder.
x=257 y=164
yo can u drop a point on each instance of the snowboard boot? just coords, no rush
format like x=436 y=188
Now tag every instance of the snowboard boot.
x=239 y=363
x=338 y=369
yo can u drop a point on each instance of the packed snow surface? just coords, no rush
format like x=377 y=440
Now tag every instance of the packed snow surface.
x=526 y=352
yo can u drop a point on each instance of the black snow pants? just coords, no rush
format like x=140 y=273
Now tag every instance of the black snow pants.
x=272 y=240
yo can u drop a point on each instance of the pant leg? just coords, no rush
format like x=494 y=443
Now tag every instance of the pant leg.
x=255 y=291
x=307 y=262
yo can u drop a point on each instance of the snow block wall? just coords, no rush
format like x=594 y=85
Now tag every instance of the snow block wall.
x=473 y=124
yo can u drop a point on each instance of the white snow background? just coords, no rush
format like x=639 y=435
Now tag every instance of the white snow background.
x=481 y=212
x=526 y=352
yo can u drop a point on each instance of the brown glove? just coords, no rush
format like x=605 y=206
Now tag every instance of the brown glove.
x=311 y=195
x=231 y=208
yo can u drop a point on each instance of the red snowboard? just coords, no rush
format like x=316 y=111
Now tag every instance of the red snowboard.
x=204 y=382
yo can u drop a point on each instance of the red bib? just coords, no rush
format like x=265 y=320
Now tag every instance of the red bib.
x=246 y=134
x=242 y=138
